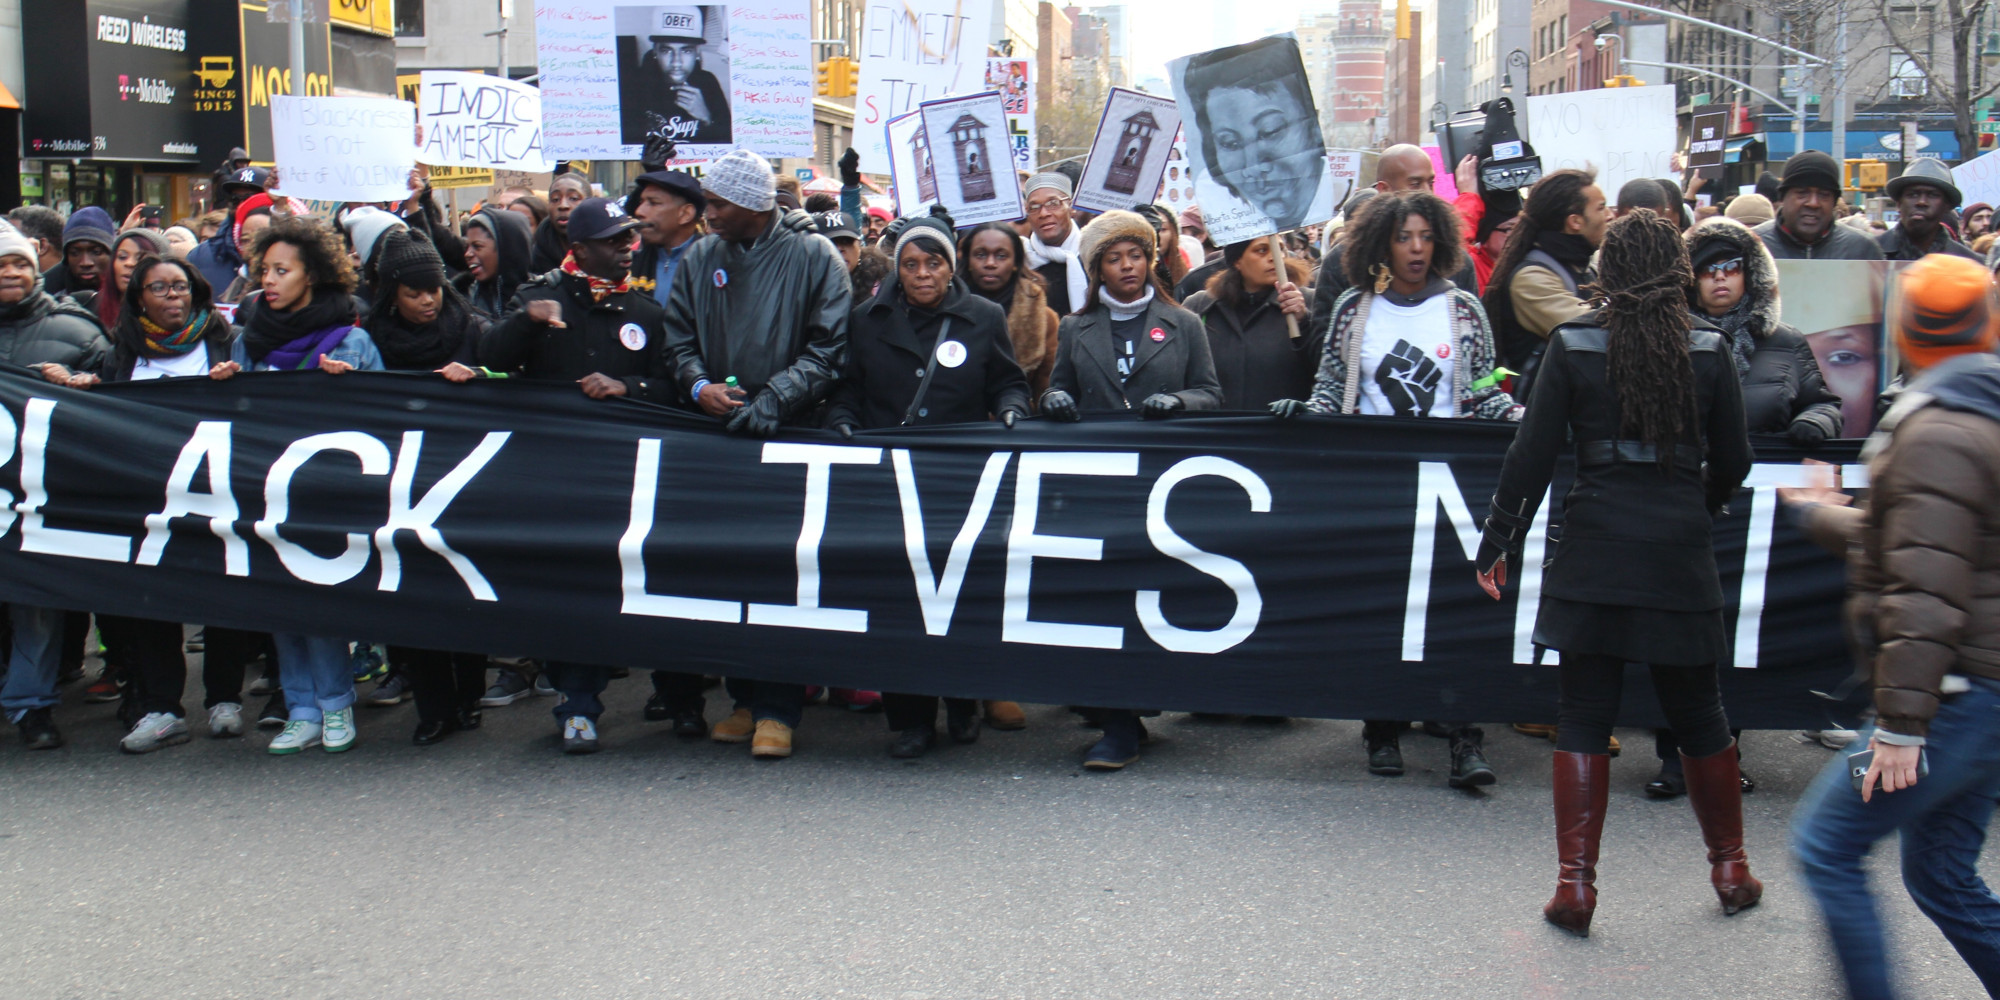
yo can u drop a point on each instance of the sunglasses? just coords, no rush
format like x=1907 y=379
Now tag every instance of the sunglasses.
x=1724 y=268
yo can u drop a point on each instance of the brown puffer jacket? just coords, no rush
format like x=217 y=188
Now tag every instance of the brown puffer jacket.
x=1923 y=560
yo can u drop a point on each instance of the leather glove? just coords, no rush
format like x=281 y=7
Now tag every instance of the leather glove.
x=1158 y=405
x=846 y=430
x=1008 y=416
x=1060 y=405
x=761 y=418
x=798 y=220
x=1806 y=434
x=1286 y=409
x=850 y=168
x=656 y=152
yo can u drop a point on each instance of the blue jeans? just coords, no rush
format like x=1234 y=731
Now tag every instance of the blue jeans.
x=1942 y=821
x=770 y=700
x=579 y=684
x=316 y=675
x=33 y=663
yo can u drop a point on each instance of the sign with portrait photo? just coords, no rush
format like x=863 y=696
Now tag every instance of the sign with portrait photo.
x=911 y=178
x=1129 y=157
x=1838 y=306
x=1014 y=80
x=711 y=77
x=1253 y=139
x=966 y=138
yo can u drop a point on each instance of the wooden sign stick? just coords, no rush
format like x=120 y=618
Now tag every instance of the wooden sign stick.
x=1278 y=257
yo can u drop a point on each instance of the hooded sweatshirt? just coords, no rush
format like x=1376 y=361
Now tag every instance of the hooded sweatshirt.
x=510 y=232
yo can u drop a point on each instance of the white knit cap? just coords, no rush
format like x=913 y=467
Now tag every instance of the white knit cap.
x=13 y=244
x=1059 y=182
x=742 y=178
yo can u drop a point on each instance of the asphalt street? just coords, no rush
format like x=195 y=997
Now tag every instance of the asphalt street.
x=1235 y=860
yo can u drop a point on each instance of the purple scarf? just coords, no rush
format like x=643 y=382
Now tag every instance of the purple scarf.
x=306 y=351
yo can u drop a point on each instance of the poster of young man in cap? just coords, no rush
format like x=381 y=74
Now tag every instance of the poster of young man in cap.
x=673 y=73
x=1253 y=139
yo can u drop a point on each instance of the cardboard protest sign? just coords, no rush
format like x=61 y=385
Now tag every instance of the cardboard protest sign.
x=1708 y=134
x=1128 y=158
x=711 y=77
x=1838 y=306
x=1253 y=139
x=973 y=168
x=1978 y=179
x=475 y=120
x=1014 y=80
x=344 y=148
x=912 y=179
x=914 y=51
x=1623 y=132
x=1177 y=187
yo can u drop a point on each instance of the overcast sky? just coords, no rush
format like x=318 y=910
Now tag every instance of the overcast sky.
x=1169 y=29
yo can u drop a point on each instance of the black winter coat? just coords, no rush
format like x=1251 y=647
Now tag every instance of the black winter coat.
x=1178 y=363
x=1840 y=243
x=1631 y=535
x=888 y=353
x=42 y=329
x=1784 y=385
x=1256 y=359
x=594 y=340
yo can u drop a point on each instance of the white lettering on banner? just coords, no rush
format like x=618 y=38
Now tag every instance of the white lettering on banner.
x=210 y=444
x=422 y=519
x=1024 y=545
x=938 y=595
x=819 y=460
x=632 y=554
x=8 y=432
x=1528 y=602
x=1763 y=483
x=1435 y=486
x=299 y=560
x=1234 y=575
x=35 y=536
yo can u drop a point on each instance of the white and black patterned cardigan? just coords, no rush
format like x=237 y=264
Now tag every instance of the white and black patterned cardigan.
x=1338 y=389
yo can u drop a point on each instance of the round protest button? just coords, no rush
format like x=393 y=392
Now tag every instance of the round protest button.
x=1443 y=350
x=951 y=354
x=1157 y=334
x=633 y=336
x=721 y=277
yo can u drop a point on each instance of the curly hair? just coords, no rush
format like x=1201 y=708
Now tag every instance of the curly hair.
x=1643 y=274
x=1370 y=237
x=327 y=265
x=1549 y=205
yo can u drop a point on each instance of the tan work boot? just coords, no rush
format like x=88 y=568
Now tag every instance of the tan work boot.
x=774 y=739
x=1005 y=715
x=735 y=729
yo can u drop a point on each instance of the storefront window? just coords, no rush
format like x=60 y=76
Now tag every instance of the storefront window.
x=410 y=18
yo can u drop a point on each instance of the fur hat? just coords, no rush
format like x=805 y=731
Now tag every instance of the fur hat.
x=1109 y=228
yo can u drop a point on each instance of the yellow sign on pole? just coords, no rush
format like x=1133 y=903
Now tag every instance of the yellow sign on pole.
x=373 y=16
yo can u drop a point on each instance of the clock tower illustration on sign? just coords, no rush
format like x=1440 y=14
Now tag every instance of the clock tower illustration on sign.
x=1137 y=138
x=975 y=168
x=920 y=148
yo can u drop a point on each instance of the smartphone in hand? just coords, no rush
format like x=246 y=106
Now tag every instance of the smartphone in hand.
x=1858 y=764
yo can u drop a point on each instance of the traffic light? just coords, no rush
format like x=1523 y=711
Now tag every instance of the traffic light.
x=1622 y=80
x=823 y=79
x=835 y=77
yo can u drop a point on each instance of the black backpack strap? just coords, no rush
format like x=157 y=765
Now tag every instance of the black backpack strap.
x=930 y=371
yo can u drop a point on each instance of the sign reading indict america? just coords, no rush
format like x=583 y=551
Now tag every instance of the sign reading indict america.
x=1318 y=567
x=475 y=120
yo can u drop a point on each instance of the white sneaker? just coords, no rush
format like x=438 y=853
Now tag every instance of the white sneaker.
x=225 y=720
x=579 y=735
x=298 y=735
x=156 y=730
x=338 y=730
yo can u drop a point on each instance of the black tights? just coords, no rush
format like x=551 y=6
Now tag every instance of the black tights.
x=1592 y=686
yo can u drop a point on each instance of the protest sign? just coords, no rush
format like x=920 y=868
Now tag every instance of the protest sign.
x=1253 y=139
x=344 y=148
x=911 y=177
x=1837 y=305
x=1177 y=187
x=1446 y=183
x=711 y=77
x=1978 y=179
x=1622 y=132
x=1014 y=80
x=914 y=51
x=1129 y=156
x=475 y=120
x=1708 y=135
x=972 y=167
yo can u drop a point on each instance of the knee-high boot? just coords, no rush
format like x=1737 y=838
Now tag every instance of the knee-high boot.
x=1716 y=793
x=1582 y=792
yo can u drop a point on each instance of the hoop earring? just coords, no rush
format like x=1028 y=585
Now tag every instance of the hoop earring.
x=1381 y=273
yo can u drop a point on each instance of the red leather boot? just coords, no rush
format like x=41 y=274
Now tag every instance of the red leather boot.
x=1582 y=791
x=1715 y=790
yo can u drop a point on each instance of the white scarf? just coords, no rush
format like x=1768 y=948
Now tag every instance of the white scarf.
x=1040 y=253
x=1125 y=310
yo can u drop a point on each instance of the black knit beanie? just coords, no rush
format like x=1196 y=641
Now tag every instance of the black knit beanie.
x=409 y=260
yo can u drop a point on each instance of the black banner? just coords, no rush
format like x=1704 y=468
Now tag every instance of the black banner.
x=1318 y=567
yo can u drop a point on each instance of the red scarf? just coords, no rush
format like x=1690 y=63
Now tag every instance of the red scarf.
x=599 y=287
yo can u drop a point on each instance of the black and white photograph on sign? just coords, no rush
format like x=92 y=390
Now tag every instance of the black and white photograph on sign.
x=1253 y=139
x=972 y=165
x=911 y=176
x=673 y=73
x=1135 y=138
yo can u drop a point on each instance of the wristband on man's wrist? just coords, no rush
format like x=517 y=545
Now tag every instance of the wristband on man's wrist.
x=699 y=385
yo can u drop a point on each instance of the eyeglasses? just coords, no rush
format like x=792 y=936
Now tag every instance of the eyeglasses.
x=1051 y=205
x=168 y=288
x=1724 y=268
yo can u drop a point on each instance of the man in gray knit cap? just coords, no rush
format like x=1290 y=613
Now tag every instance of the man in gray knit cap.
x=761 y=302
x=1053 y=244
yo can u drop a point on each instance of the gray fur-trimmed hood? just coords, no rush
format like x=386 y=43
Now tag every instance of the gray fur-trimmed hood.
x=1760 y=272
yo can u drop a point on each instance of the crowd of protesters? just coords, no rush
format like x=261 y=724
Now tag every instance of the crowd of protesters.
x=1646 y=338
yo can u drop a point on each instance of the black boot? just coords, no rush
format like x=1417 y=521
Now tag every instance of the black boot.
x=1385 y=748
x=1671 y=782
x=1469 y=768
x=38 y=729
x=913 y=743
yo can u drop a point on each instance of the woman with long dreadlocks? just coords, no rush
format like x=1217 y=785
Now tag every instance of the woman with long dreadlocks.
x=1649 y=402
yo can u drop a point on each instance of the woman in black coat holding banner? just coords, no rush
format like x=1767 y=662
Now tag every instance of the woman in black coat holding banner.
x=925 y=350
x=1656 y=413
x=1129 y=348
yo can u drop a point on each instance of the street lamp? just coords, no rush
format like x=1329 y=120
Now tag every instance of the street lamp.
x=1517 y=58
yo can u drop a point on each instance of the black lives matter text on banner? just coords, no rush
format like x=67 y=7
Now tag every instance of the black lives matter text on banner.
x=1318 y=567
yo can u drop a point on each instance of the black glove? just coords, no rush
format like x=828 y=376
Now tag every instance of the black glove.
x=850 y=168
x=1158 y=405
x=798 y=220
x=1060 y=405
x=1286 y=409
x=759 y=419
x=1806 y=434
x=655 y=154
x=1008 y=416
x=846 y=429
